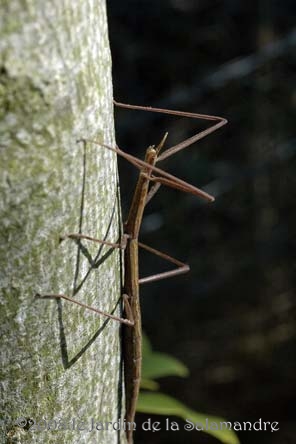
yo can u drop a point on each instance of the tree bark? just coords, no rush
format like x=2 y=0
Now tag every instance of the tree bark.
x=59 y=362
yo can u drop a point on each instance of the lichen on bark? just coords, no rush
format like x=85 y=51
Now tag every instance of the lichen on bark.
x=57 y=361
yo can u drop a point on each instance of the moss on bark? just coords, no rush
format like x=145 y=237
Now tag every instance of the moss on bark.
x=58 y=361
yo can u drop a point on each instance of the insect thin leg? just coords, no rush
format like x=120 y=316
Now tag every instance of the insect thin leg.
x=220 y=121
x=88 y=307
x=138 y=163
x=128 y=309
x=153 y=190
x=121 y=244
x=182 y=268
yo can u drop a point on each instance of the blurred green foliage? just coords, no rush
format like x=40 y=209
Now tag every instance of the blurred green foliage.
x=156 y=365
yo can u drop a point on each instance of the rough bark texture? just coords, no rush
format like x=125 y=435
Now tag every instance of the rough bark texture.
x=58 y=361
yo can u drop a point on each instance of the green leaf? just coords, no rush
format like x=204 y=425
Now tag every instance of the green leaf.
x=146 y=345
x=149 y=384
x=158 y=403
x=157 y=365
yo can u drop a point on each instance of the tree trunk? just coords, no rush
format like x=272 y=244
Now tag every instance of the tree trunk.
x=59 y=362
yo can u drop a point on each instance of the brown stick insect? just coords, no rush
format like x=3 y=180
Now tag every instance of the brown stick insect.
x=130 y=244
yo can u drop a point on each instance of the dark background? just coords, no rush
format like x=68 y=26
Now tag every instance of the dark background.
x=231 y=320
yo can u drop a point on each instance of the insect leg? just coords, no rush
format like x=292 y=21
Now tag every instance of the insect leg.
x=121 y=244
x=182 y=268
x=129 y=322
x=219 y=122
x=138 y=163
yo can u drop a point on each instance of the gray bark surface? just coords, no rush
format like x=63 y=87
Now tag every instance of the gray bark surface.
x=58 y=361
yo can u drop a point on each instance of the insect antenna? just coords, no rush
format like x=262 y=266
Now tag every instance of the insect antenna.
x=161 y=143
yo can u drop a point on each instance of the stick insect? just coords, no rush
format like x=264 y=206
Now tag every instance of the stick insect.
x=132 y=335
